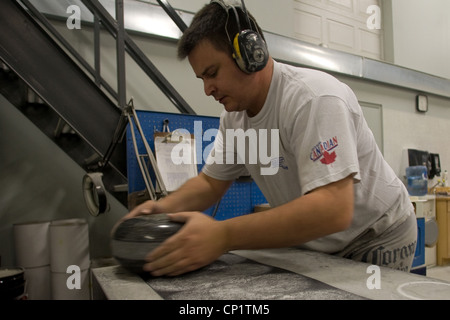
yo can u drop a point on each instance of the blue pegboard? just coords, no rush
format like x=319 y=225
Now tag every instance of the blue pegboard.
x=240 y=199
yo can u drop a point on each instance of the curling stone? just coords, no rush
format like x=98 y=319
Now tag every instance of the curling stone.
x=133 y=239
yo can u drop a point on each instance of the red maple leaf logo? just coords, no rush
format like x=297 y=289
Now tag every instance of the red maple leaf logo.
x=328 y=158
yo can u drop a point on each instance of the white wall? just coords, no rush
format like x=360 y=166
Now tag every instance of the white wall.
x=421 y=35
x=276 y=16
x=404 y=127
x=340 y=25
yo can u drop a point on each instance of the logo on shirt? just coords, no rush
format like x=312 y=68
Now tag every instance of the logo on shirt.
x=323 y=151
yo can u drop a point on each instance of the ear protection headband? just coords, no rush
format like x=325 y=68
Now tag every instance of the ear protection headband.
x=249 y=48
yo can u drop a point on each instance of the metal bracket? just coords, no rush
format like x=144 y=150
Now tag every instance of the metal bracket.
x=141 y=158
x=93 y=189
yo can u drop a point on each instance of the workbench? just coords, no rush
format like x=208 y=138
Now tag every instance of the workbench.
x=341 y=278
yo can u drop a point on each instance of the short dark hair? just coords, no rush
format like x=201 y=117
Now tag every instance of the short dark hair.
x=214 y=24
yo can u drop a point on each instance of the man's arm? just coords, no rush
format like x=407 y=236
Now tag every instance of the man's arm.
x=323 y=211
x=326 y=210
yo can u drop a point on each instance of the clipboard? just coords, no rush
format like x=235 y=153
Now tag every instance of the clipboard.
x=175 y=157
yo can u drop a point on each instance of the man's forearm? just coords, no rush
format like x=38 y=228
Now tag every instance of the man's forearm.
x=306 y=218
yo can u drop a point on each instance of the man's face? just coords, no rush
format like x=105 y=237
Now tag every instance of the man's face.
x=222 y=79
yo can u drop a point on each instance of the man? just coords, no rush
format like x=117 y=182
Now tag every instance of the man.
x=332 y=191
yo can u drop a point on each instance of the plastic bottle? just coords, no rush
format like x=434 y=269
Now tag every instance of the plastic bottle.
x=417 y=180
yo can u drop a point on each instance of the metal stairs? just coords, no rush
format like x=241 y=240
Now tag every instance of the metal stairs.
x=67 y=99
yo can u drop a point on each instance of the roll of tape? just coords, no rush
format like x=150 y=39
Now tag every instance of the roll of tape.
x=94 y=193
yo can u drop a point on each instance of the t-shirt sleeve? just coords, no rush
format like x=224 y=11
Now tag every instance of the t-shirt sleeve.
x=325 y=143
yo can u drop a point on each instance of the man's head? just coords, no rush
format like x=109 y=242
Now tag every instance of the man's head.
x=231 y=29
x=207 y=44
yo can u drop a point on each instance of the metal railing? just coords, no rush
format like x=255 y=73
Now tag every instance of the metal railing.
x=124 y=44
x=50 y=66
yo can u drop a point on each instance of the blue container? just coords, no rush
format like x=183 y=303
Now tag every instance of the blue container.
x=419 y=256
x=417 y=180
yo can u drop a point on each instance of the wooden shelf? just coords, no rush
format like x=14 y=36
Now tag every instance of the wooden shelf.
x=443 y=220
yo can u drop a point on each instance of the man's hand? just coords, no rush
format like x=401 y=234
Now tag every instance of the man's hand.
x=148 y=207
x=198 y=243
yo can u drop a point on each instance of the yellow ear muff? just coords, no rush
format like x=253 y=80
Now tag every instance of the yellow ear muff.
x=237 y=55
x=237 y=50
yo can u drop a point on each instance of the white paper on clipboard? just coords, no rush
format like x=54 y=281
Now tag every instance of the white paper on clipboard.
x=175 y=158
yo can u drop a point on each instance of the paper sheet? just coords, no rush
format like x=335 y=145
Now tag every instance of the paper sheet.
x=176 y=159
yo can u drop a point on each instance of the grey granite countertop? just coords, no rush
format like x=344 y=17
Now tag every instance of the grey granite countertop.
x=315 y=275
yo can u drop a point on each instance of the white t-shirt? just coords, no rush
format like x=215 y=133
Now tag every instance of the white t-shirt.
x=323 y=138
